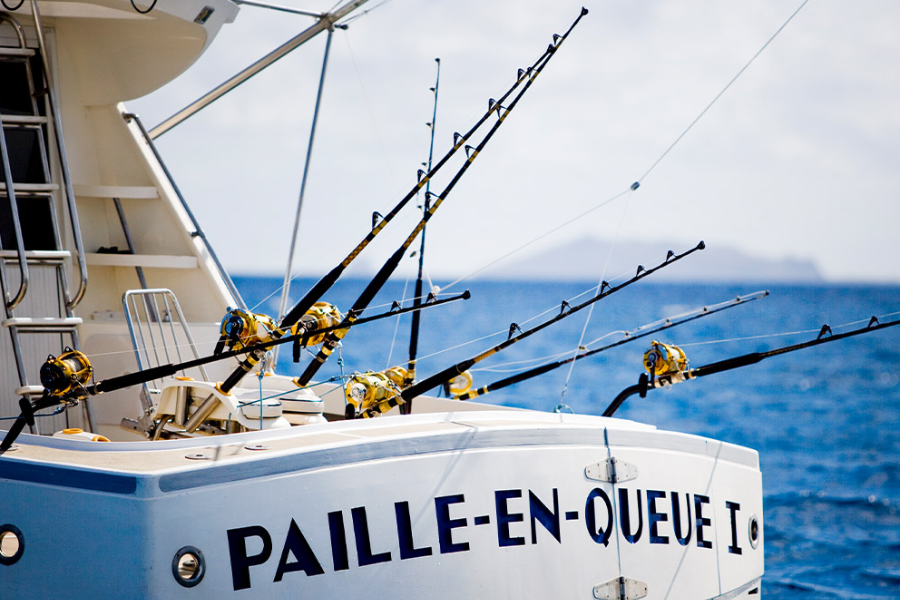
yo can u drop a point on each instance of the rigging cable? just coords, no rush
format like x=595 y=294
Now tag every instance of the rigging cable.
x=286 y=286
x=721 y=93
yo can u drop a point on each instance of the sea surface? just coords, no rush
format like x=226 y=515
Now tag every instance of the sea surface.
x=825 y=420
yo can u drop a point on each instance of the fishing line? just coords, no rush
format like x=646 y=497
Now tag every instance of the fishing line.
x=298 y=275
x=58 y=410
x=397 y=326
x=349 y=20
x=561 y=404
x=538 y=238
x=719 y=95
x=554 y=308
x=450 y=348
x=623 y=332
x=496 y=369
x=362 y=86
x=387 y=269
x=652 y=167
x=774 y=335
x=210 y=345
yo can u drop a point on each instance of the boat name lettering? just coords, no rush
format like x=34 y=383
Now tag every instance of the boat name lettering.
x=644 y=517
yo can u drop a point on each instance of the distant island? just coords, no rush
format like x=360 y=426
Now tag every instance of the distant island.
x=584 y=259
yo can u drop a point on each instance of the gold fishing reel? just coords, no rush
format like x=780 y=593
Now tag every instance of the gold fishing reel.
x=460 y=384
x=321 y=316
x=664 y=359
x=370 y=390
x=62 y=374
x=241 y=328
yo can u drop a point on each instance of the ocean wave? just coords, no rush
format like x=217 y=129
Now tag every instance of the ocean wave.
x=805 y=497
x=815 y=590
x=882 y=576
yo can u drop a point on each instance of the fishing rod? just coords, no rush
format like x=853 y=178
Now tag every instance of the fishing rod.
x=378 y=224
x=65 y=377
x=450 y=373
x=664 y=373
x=416 y=318
x=630 y=336
x=390 y=266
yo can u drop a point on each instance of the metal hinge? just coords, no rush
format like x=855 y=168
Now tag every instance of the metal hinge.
x=611 y=470
x=620 y=588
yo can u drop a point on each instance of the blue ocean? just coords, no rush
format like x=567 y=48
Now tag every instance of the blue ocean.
x=824 y=420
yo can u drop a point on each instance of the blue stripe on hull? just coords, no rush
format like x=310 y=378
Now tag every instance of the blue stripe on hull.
x=72 y=478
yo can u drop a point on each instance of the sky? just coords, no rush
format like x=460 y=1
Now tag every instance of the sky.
x=797 y=159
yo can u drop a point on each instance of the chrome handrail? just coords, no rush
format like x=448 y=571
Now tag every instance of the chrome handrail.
x=154 y=326
x=64 y=164
x=11 y=303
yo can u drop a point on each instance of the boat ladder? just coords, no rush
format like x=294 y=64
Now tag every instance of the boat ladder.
x=34 y=185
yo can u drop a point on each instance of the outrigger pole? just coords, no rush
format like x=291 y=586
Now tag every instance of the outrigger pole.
x=286 y=288
x=630 y=336
x=645 y=384
x=390 y=266
x=449 y=373
x=64 y=377
x=326 y=22
x=417 y=296
x=324 y=284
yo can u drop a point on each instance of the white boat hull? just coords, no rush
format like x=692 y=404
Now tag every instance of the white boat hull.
x=461 y=505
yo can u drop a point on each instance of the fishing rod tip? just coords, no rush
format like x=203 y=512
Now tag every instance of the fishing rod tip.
x=701 y=245
x=584 y=11
x=466 y=295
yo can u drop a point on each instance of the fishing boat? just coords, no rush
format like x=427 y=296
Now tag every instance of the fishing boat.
x=137 y=466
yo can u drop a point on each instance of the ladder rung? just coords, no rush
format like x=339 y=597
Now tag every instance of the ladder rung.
x=30 y=390
x=137 y=192
x=42 y=322
x=22 y=120
x=37 y=256
x=31 y=188
x=147 y=261
x=15 y=52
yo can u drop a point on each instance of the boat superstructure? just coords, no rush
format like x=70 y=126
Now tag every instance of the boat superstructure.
x=209 y=492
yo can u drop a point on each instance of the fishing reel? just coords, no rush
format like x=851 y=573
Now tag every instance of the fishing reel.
x=241 y=328
x=460 y=384
x=664 y=359
x=321 y=316
x=370 y=390
x=62 y=374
